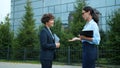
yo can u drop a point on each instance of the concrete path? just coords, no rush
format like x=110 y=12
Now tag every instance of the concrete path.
x=26 y=65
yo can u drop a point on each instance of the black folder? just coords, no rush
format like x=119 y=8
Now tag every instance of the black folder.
x=87 y=33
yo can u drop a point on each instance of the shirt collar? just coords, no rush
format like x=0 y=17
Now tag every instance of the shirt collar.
x=90 y=21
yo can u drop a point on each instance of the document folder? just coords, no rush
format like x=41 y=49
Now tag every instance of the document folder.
x=57 y=39
x=87 y=33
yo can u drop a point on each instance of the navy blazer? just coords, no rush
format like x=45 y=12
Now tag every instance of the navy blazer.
x=47 y=45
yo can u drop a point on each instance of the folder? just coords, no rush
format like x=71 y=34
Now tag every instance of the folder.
x=57 y=39
x=88 y=33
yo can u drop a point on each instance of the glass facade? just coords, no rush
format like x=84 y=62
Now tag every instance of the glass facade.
x=61 y=9
x=106 y=8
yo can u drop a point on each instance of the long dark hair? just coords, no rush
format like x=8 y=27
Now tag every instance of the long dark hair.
x=94 y=14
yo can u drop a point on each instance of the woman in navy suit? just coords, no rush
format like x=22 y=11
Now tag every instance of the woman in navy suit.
x=47 y=41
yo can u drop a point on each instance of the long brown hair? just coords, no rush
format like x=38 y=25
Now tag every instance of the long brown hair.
x=94 y=15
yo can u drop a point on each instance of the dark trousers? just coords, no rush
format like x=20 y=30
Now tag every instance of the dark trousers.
x=46 y=63
x=89 y=55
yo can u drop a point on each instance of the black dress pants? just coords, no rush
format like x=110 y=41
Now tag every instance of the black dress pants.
x=46 y=63
x=89 y=55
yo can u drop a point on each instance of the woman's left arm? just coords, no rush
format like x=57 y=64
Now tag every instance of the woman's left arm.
x=85 y=38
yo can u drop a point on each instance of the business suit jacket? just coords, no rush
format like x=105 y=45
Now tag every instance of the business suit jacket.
x=47 y=45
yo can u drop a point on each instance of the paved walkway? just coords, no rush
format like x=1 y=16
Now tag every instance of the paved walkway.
x=26 y=65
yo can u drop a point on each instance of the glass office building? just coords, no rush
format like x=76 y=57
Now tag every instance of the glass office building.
x=61 y=9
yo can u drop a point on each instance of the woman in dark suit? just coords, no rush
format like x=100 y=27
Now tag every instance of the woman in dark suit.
x=47 y=41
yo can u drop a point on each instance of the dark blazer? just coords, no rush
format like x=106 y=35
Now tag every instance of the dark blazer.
x=47 y=45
